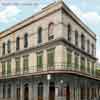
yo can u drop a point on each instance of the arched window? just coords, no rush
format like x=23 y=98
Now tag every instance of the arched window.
x=40 y=91
x=39 y=35
x=82 y=41
x=50 y=31
x=3 y=48
x=88 y=46
x=92 y=46
x=69 y=32
x=9 y=46
x=25 y=40
x=17 y=43
x=76 y=38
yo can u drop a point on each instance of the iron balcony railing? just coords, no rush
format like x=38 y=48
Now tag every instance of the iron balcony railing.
x=56 y=68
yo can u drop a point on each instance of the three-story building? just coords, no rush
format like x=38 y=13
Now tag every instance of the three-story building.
x=49 y=56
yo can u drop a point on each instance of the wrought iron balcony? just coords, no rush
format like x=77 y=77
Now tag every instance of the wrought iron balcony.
x=56 y=68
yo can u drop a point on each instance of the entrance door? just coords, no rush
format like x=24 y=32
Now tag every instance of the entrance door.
x=68 y=93
x=52 y=91
x=18 y=93
x=82 y=93
x=26 y=92
x=40 y=91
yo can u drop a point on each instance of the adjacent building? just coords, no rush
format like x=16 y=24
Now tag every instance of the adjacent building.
x=49 y=56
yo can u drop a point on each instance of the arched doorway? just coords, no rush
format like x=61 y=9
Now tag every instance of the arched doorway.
x=26 y=92
x=52 y=91
x=67 y=92
x=40 y=91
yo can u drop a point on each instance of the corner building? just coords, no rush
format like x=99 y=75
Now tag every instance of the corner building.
x=49 y=56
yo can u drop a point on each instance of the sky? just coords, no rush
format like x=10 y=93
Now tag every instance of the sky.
x=14 y=11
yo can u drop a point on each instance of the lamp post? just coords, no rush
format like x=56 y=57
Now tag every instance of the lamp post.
x=61 y=83
x=48 y=79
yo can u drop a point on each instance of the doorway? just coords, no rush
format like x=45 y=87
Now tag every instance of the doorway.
x=18 y=93
x=40 y=91
x=26 y=92
x=67 y=92
x=52 y=91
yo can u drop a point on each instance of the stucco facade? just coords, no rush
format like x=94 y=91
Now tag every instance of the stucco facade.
x=69 y=61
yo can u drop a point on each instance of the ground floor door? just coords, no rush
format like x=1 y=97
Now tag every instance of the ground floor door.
x=52 y=91
x=67 y=92
x=26 y=92
x=40 y=91
x=18 y=93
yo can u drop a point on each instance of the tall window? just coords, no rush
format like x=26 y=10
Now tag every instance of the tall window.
x=4 y=91
x=76 y=60
x=50 y=58
x=26 y=40
x=40 y=91
x=39 y=60
x=9 y=67
x=69 y=32
x=88 y=46
x=76 y=38
x=82 y=64
x=93 y=68
x=17 y=65
x=17 y=43
x=92 y=49
x=9 y=91
x=69 y=58
x=25 y=63
x=82 y=41
x=3 y=68
x=40 y=35
x=9 y=46
x=88 y=66
x=3 y=48
x=50 y=31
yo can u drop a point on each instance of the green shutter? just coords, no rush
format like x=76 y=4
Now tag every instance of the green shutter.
x=9 y=67
x=76 y=61
x=3 y=68
x=50 y=58
x=17 y=65
x=69 y=59
x=39 y=60
x=25 y=63
x=82 y=64
x=88 y=66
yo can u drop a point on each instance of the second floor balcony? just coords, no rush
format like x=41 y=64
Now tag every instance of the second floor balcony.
x=55 y=69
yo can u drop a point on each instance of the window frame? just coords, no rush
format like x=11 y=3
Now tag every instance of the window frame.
x=25 y=40
x=51 y=31
x=17 y=43
x=39 y=39
x=69 y=32
x=9 y=46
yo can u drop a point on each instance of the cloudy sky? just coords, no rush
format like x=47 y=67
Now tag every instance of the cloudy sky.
x=14 y=11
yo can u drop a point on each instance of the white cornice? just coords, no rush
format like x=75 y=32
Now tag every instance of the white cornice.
x=45 y=11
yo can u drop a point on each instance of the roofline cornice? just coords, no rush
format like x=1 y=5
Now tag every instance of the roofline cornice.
x=45 y=12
